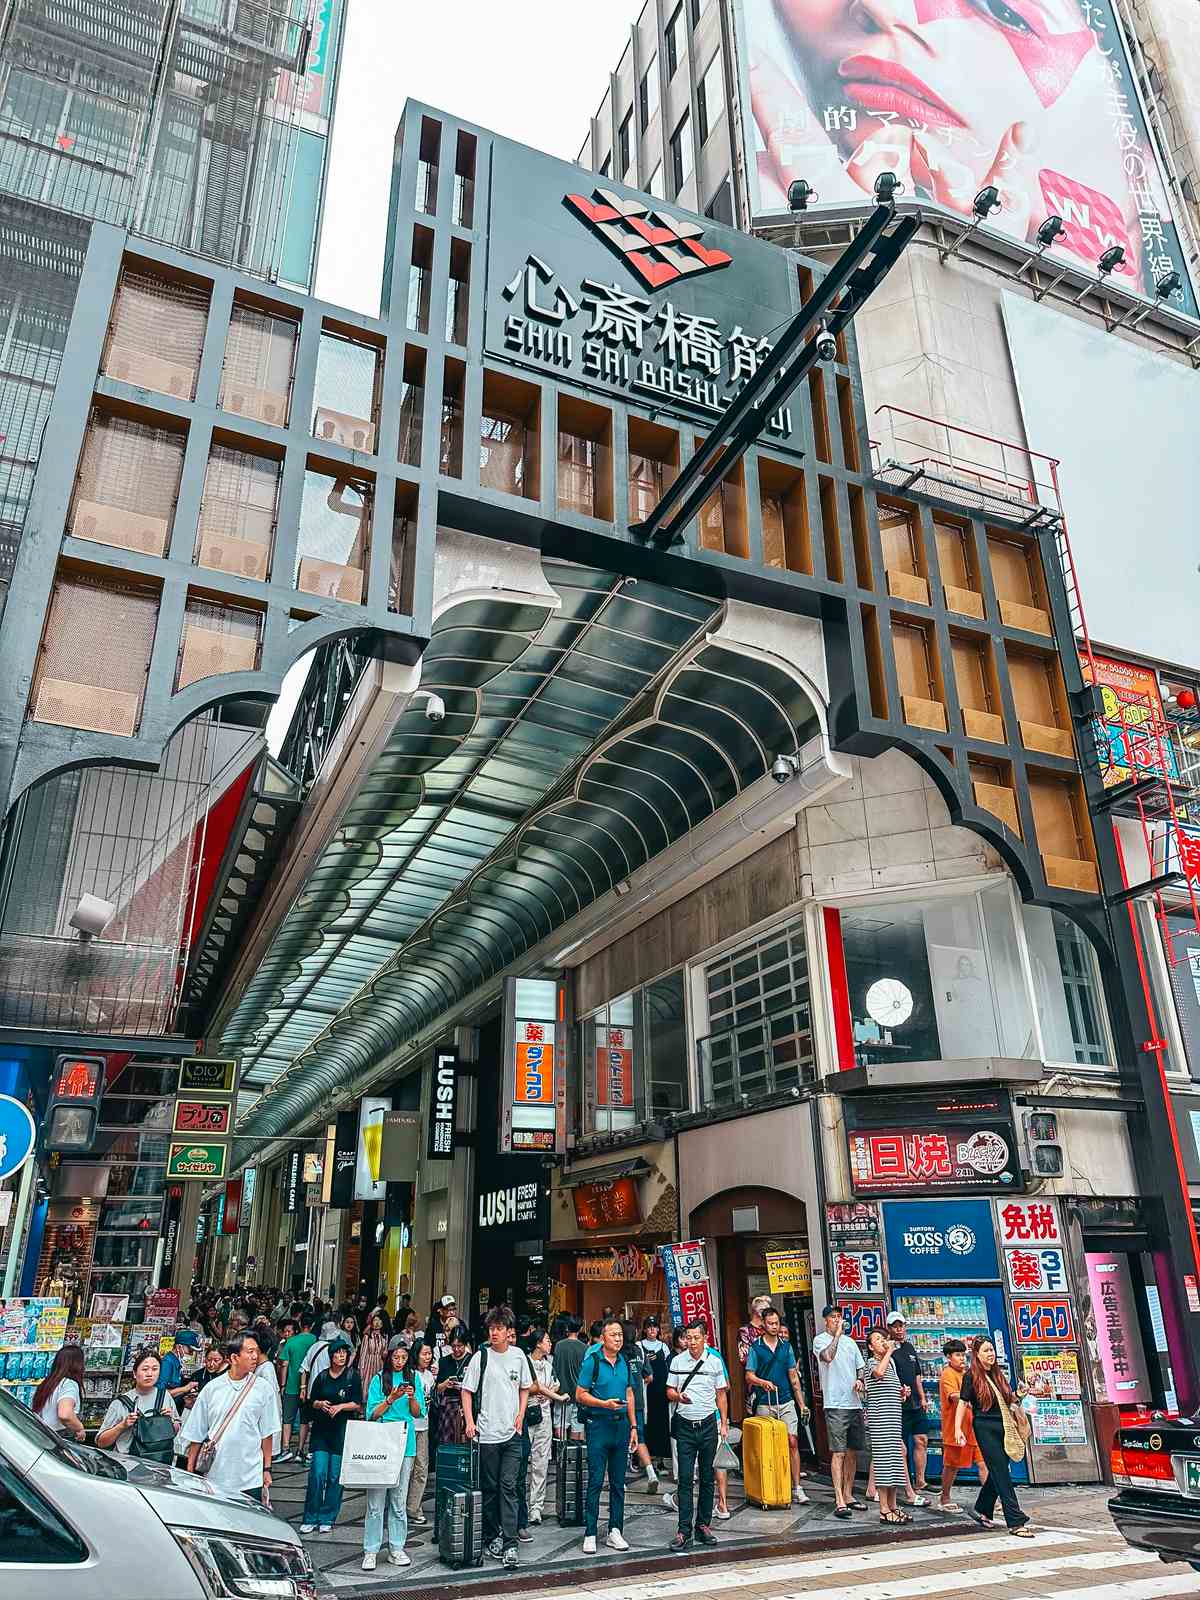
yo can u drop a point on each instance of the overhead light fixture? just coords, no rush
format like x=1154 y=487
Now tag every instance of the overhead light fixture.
x=801 y=194
x=1112 y=258
x=985 y=202
x=1164 y=288
x=1049 y=231
x=887 y=187
x=1170 y=283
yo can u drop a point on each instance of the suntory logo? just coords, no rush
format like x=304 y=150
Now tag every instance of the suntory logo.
x=657 y=246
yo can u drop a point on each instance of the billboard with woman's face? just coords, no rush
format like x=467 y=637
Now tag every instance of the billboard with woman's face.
x=1034 y=96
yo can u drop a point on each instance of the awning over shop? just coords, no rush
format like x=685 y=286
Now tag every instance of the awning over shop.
x=608 y=1172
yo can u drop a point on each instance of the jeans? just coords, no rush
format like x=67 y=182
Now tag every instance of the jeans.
x=499 y=1465
x=541 y=1438
x=393 y=1501
x=696 y=1442
x=607 y=1448
x=999 y=1485
x=323 y=1497
x=420 y=1474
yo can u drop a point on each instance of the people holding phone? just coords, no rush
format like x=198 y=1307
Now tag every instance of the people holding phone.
x=394 y=1396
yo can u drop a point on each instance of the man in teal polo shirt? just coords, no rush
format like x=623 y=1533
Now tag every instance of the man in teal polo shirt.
x=605 y=1400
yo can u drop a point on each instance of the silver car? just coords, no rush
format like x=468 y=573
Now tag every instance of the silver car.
x=80 y=1522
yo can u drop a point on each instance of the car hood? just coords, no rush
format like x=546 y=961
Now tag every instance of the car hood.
x=182 y=1500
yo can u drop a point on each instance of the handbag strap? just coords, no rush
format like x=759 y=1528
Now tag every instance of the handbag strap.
x=229 y=1415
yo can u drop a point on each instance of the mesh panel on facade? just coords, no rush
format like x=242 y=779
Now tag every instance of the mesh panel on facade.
x=216 y=638
x=256 y=378
x=128 y=483
x=237 y=517
x=157 y=334
x=334 y=539
x=95 y=654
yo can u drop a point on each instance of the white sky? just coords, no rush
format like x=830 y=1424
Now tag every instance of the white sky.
x=533 y=70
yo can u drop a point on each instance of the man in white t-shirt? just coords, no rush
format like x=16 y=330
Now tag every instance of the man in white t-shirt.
x=699 y=1388
x=495 y=1391
x=840 y=1368
x=243 y=1458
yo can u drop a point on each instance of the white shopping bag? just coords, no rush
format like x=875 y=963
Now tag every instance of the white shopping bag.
x=373 y=1455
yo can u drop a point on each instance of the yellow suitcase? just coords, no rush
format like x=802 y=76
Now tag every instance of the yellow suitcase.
x=766 y=1461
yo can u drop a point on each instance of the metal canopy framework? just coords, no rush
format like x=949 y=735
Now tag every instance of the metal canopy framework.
x=585 y=732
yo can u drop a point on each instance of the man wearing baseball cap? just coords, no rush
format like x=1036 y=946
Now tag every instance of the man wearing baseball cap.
x=914 y=1421
x=840 y=1368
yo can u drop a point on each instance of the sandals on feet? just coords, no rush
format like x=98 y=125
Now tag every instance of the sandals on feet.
x=1021 y=1532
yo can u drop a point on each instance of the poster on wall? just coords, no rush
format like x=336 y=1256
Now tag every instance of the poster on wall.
x=1117 y=1334
x=1058 y=1422
x=1040 y=101
x=1054 y=1373
x=1130 y=738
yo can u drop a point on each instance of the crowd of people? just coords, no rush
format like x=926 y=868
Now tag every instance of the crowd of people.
x=279 y=1378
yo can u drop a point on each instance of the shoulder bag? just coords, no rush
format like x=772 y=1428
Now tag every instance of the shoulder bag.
x=153 y=1432
x=533 y=1408
x=683 y=1391
x=207 y=1452
x=1017 y=1427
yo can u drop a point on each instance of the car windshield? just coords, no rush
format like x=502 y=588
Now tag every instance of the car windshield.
x=82 y=1457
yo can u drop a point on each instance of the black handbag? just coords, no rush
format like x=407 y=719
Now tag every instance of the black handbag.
x=533 y=1409
x=153 y=1434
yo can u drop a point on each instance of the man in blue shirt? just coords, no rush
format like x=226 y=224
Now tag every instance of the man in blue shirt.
x=771 y=1371
x=605 y=1399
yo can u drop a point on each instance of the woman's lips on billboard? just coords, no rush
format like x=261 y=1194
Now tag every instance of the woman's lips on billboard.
x=874 y=85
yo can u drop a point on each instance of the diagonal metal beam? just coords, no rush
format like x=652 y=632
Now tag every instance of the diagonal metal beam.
x=849 y=283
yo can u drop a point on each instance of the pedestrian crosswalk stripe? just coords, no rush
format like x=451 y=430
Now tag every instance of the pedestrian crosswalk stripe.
x=931 y=1583
x=864 y=1561
x=1179 y=1582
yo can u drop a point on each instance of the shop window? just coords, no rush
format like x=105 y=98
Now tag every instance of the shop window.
x=464 y=180
x=333 y=546
x=584 y=458
x=256 y=376
x=509 y=434
x=935 y=979
x=634 y=1055
x=1067 y=990
x=759 y=1018
x=347 y=392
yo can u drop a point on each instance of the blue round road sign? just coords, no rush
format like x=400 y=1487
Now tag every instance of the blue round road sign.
x=17 y=1134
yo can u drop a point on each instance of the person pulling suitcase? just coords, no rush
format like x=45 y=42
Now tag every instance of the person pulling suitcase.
x=772 y=1370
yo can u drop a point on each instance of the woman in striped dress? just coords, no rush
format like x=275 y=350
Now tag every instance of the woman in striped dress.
x=372 y=1351
x=883 y=1415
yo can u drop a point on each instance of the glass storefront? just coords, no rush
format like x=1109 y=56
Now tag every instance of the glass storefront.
x=634 y=1057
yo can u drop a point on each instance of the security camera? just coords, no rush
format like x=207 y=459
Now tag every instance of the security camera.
x=784 y=768
x=826 y=346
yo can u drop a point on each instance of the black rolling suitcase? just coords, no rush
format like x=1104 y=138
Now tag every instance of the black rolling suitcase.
x=572 y=1457
x=457 y=1466
x=460 y=1527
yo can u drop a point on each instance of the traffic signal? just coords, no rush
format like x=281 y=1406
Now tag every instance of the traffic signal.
x=1045 y=1153
x=74 y=1108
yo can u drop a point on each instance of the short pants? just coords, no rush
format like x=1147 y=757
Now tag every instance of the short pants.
x=845 y=1429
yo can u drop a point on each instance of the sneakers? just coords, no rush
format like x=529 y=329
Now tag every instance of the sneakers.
x=309 y=1527
x=524 y=1535
x=706 y=1536
x=589 y=1545
x=668 y=1502
x=369 y=1562
x=799 y=1498
x=510 y=1556
x=399 y=1559
x=651 y=1486
x=616 y=1540
x=496 y=1548
x=722 y=1516
x=679 y=1542
x=420 y=1520
x=535 y=1518
x=285 y=1455
x=326 y=1527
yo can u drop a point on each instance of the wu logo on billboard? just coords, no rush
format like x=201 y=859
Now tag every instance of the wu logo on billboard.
x=659 y=248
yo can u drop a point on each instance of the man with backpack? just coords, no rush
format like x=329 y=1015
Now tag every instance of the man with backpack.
x=772 y=1370
x=604 y=1395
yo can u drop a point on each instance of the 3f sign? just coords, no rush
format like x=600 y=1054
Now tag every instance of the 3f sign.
x=443 y=1107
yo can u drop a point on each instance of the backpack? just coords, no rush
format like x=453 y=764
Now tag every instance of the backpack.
x=153 y=1432
x=589 y=1413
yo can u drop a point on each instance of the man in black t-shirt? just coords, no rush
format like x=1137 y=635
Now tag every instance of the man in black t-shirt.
x=914 y=1420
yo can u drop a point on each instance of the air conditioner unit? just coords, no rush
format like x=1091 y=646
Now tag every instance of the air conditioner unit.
x=242 y=557
x=207 y=652
x=131 y=530
x=331 y=579
x=86 y=705
x=267 y=405
x=150 y=372
x=352 y=433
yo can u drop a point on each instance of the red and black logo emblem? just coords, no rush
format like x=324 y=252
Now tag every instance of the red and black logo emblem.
x=658 y=247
